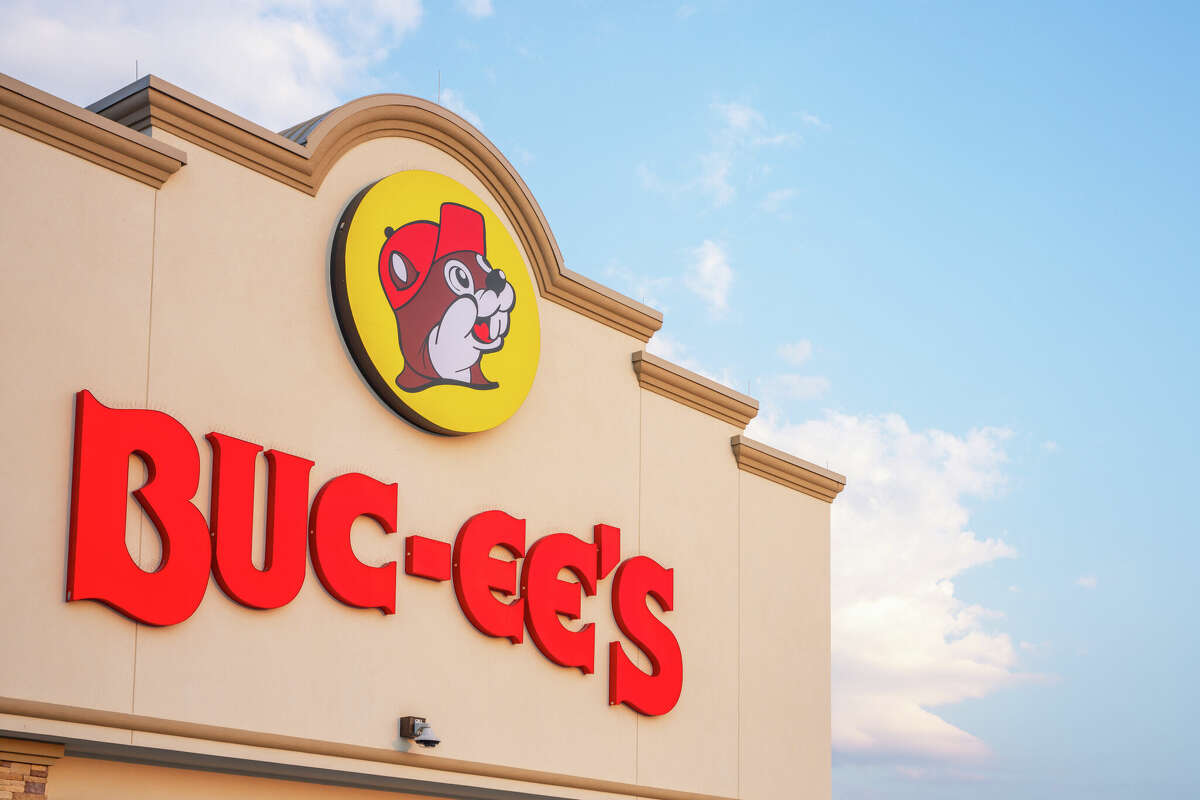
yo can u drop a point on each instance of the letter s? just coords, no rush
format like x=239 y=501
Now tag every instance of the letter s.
x=658 y=692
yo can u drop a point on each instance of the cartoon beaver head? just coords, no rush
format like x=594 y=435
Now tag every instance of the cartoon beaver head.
x=451 y=305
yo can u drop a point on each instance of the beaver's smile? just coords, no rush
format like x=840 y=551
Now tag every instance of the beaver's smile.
x=488 y=330
x=482 y=331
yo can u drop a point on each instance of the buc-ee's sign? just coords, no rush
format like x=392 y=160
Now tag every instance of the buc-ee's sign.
x=100 y=567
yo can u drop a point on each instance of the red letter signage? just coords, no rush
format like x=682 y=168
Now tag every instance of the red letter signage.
x=282 y=575
x=338 y=504
x=546 y=596
x=657 y=692
x=476 y=573
x=99 y=566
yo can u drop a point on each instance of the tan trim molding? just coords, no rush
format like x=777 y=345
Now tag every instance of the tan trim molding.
x=26 y=751
x=82 y=133
x=696 y=391
x=786 y=470
x=153 y=103
x=236 y=736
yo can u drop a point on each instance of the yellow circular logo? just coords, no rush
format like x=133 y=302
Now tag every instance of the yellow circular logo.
x=435 y=302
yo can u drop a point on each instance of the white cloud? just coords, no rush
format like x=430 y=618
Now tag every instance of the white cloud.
x=728 y=162
x=775 y=200
x=710 y=276
x=739 y=117
x=648 y=289
x=903 y=643
x=792 y=385
x=1087 y=581
x=649 y=179
x=714 y=177
x=523 y=156
x=813 y=121
x=453 y=100
x=667 y=347
x=477 y=8
x=742 y=129
x=673 y=350
x=796 y=353
x=275 y=62
x=1050 y=446
x=746 y=126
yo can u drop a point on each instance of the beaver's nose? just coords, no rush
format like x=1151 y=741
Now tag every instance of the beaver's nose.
x=496 y=281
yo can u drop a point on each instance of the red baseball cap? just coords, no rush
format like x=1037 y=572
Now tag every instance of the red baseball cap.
x=421 y=243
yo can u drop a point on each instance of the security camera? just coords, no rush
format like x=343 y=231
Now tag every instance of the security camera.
x=420 y=731
x=426 y=737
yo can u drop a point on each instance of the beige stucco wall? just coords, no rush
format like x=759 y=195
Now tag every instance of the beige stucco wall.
x=209 y=300
x=784 y=725
x=689 y=521
x=76 y=245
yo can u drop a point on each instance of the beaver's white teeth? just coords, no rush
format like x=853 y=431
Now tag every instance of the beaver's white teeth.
x=495 y=327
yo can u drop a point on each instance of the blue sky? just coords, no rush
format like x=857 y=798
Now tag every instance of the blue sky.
x=953 y=250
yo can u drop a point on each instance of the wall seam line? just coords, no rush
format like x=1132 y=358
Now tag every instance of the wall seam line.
x=637 y=718
x=150 y=314
x=137 y=628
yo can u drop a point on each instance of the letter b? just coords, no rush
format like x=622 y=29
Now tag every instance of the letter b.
x=99 y=566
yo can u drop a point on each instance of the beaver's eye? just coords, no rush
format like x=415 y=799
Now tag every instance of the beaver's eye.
x=458 y=278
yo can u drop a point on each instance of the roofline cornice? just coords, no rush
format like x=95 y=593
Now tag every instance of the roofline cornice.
x=786 y=470
x=691 y=389
x=85 y=134
x=154 y=103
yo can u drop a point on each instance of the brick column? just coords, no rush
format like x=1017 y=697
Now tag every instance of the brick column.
x=25 y=768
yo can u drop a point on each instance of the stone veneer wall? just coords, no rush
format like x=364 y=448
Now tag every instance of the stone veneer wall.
x=22 y=781
x=25 y=768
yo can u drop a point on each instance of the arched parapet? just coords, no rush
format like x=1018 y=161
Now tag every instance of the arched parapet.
x=302 y=156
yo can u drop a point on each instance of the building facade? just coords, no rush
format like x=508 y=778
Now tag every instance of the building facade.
x=261 y=499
